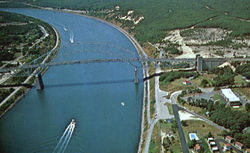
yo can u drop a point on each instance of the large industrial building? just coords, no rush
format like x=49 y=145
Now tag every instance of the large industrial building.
x=230 y=97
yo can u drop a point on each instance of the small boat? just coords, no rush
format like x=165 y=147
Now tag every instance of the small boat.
x=71 y=40
x=122 y=103
x=73 y=121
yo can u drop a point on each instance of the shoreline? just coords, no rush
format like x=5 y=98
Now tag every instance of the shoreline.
x=26 y=90
x=137 y=46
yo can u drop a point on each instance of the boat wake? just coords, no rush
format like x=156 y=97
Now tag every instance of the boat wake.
x=65 y=29
x=64 y=140
x=71 y=39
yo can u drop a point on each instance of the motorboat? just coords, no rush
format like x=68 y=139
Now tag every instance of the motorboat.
x=73 y=121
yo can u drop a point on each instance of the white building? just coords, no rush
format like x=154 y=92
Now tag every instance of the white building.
x=230 y=97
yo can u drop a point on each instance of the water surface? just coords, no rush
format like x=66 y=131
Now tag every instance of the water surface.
x=91 y=93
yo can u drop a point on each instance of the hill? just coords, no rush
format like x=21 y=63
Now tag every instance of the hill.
x=163 y=15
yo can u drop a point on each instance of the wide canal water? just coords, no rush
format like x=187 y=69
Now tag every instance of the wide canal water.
x=91 y=93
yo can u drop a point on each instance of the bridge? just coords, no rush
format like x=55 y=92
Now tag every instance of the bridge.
x=201 y=64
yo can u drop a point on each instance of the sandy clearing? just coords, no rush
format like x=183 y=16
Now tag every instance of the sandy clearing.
x=187 y=116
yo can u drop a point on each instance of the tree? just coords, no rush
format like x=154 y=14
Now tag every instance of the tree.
x=191 y=144
x=173 y=125
x=247 y=106
x=209 y=134
x=166 y=143
x=204 y=83
x=184 y=123
x=202 y=150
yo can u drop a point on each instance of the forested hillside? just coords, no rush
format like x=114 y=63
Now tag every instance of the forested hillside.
x=162 y=15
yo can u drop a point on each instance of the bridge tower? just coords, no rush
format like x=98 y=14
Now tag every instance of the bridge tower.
x=136 y=80
x=39 y=82
x=199 y=63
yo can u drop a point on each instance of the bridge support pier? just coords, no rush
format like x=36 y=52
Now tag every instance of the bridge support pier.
x=136 y=80
x=39 y=82
x=199 y=63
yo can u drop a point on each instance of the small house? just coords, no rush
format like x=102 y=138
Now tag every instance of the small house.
x=239 y=145
x=246 y=130
x=247 y=150
x=229 y=139
x=210 y=139
x=227 y=147
x=215 y=148
x=197 y=147
x=212 y=143
x=186 y=82
x=117 y=8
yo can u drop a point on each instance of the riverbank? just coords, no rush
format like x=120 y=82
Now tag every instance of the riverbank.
x=20 y=92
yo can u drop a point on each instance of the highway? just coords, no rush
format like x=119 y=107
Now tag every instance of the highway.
x=180 y=130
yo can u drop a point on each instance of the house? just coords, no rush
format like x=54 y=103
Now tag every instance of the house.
x=212 y=143
x=227 y=147
x=247 y=150
x=239 y=145
x=186 y=82
x=197 y=147
x=117 y=8
x=210 y=139
x=230 y=97
x=229 y=139
x=215 y=148
x=246 y=130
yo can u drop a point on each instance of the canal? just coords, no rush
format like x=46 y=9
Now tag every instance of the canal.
x=102 y=98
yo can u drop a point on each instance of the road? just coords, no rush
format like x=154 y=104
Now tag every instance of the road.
x=148 y=97
x=161 y=109
x=148 y=139
x=180 y=130
x=173 y=99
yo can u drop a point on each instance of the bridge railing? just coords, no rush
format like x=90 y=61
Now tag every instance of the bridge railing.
x=43 y=65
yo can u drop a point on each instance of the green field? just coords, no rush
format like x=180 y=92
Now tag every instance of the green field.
x=163 y=15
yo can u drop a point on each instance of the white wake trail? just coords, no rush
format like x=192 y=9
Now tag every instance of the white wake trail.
x=67 y=142
x=61 y=139
x=71 y=39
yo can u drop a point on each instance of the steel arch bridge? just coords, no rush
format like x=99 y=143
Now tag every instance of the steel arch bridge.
x=35 y=67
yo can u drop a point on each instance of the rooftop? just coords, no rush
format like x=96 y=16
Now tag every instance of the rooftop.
x=214 y=148
x=197 y=147
x=228 y=145
x=229 y=137
x=209 y=139
x=239 y=144
x=248 y=150
x=230 y=95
